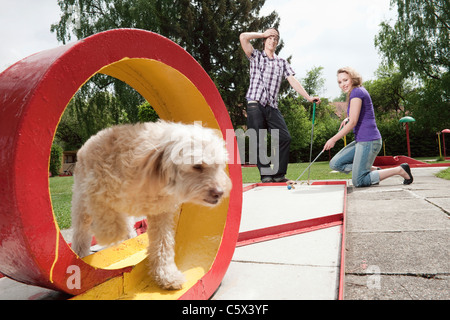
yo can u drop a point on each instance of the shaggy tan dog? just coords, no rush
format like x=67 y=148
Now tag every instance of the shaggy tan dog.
x=147 y=169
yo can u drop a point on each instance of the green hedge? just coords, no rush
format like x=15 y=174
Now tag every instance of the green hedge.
x=55 y=159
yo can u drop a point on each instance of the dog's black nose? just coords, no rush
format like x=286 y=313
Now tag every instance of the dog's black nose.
x=216 y=193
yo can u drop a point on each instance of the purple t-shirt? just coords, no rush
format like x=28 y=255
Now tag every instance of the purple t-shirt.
x=366 y=129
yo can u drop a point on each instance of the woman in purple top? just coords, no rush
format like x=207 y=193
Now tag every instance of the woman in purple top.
x=359 y=155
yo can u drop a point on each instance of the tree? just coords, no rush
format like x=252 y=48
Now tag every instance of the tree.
x=56 y=155
x=419 y=45
x=147 y=113
x=299 y=125
x=314 y=81
x=209 y=30
x=419 y=42
x=430 y=106
x=85 y=115
x=390 y=91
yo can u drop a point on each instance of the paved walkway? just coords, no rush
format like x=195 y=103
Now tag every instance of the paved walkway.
x=398 y=239
x=303 y=266
x=397 y=247
x=300 y=266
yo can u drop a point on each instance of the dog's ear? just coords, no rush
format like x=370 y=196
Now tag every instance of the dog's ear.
x=156 y=170
x=150 y=167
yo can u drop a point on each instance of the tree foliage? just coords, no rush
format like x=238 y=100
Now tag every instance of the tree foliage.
x=314 y=81
x=390 y=92
x=86 y=115
x=414 y=79
x=297 y=113
x=419 y=42
x=56 y=155
x=147 y=113
x=209 y=30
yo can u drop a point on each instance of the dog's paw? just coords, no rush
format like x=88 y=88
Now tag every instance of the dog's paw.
x=173 y=280
x=81 y=250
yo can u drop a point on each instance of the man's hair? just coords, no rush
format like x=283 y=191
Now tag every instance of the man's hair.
x=264 y=41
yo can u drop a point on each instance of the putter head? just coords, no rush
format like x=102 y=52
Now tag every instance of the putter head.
x=290 y=184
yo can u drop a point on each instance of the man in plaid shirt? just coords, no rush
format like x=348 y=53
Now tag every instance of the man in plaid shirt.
x=267 y=70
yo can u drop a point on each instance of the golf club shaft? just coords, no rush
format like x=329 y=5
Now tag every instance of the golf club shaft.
x=312 y=136
x=310 y=165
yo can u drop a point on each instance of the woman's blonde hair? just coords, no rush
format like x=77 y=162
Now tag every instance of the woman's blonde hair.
x=354 y=75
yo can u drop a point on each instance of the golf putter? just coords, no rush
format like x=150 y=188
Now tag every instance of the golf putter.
x=312 y=139
x=292 y=183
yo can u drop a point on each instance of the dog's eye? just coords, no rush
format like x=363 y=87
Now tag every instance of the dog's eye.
x=198 y=167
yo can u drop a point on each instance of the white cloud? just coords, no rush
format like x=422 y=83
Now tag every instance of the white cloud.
x=25 y=28
x=331 y=34
x=326 y=33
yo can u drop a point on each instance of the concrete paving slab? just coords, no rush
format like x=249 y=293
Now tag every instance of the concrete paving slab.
x=13 y=290
x=433 y=191
x=401 y=202
x=377 y=193
x=441 y=203
x=296 y=250
x=391 y=211
x=256 y=281
x=423 y=252
x=303 y=266
x=281 y=206
x=398 y=239
x=405 y=220
x=388 y=287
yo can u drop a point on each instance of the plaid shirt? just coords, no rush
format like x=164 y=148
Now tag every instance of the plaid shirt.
x=265 y=78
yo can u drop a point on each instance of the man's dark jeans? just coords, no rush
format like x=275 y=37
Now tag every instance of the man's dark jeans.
x=260 y=117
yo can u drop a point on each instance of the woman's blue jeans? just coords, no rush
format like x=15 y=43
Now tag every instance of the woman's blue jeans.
x=358 y=157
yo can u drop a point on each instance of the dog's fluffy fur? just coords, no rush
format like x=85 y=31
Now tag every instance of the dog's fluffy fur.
x=147 y=169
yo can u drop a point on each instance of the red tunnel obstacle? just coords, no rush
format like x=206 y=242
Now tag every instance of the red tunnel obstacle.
x=34 y=93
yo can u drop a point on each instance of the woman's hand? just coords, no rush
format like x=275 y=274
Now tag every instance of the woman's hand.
x=330 y=144
x=343 y=123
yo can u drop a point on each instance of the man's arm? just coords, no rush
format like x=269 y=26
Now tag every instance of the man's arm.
x=300 y=90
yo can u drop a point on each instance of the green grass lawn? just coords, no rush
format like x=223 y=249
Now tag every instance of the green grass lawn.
x=61 y=187
x=445 y=174
x=319 y=171
x=61 y=195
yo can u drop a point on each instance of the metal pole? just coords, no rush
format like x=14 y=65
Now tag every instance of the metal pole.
x=407 y=140
x=312 y=140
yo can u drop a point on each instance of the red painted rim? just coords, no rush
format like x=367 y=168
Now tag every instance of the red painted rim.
x=34 y=93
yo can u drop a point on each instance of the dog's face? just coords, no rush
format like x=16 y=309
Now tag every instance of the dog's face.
x=204 y=184
x=192 y=165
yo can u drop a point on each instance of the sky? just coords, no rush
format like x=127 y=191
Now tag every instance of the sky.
x=326 y=33
x=331 y=34
x=25 y=28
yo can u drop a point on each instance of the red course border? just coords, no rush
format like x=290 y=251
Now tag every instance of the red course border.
x=289 y=229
